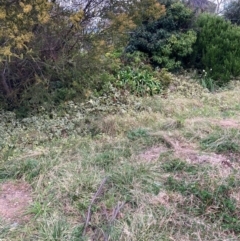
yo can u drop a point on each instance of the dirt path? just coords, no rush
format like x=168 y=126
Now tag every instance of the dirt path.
x=15 y=198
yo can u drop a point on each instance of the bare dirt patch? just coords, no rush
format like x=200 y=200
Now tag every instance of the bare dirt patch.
x=229 y=123
x=189 y=153
x=166 y=199
x=162 y=198
x=14 y=200
x=152 y=153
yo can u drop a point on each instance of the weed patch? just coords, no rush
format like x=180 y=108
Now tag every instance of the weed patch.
x=137 y=134
x=176 y=165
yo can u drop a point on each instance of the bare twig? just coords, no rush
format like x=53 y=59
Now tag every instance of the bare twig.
x=92 y=202
x=114 y=216
x=116 y=211
x=4 y=81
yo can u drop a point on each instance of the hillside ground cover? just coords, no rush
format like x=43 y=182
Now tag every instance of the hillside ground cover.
x=150 y=168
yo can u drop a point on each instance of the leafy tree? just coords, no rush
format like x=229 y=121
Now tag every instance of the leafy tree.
x=168 y=40
x=232 y=12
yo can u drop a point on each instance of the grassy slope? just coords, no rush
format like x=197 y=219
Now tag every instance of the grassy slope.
x=172 y=170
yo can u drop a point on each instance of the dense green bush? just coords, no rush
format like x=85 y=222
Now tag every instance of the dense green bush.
x=217 y=49
x=168 y=40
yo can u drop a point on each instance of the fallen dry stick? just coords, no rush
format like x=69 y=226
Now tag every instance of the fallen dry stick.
x=92 y=202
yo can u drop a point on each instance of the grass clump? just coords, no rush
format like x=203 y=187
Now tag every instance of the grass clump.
x=212 y=203
x=176 y=165
x=222 y=141
x=137 y=134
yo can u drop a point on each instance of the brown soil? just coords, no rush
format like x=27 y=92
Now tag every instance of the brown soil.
x=166 y=198
x=152 y=153
x=14 y=200
x=190 y=154
x=162 y=198
x=229 y=123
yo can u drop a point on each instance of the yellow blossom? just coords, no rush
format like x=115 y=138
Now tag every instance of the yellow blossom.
x=43 y=18
x=15 y=28
x=20 y=16
x=77 y=17
x=2 y=14
x=21 y=4
x=27 y=8
x=6 y=51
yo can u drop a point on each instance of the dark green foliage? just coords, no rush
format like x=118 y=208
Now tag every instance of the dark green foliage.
x=168 y=40
x=232 y=12
x=137 y=76
x=217 y=49
x=65 y=79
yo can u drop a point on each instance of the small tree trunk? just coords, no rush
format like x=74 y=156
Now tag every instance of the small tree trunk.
x=4 y=83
